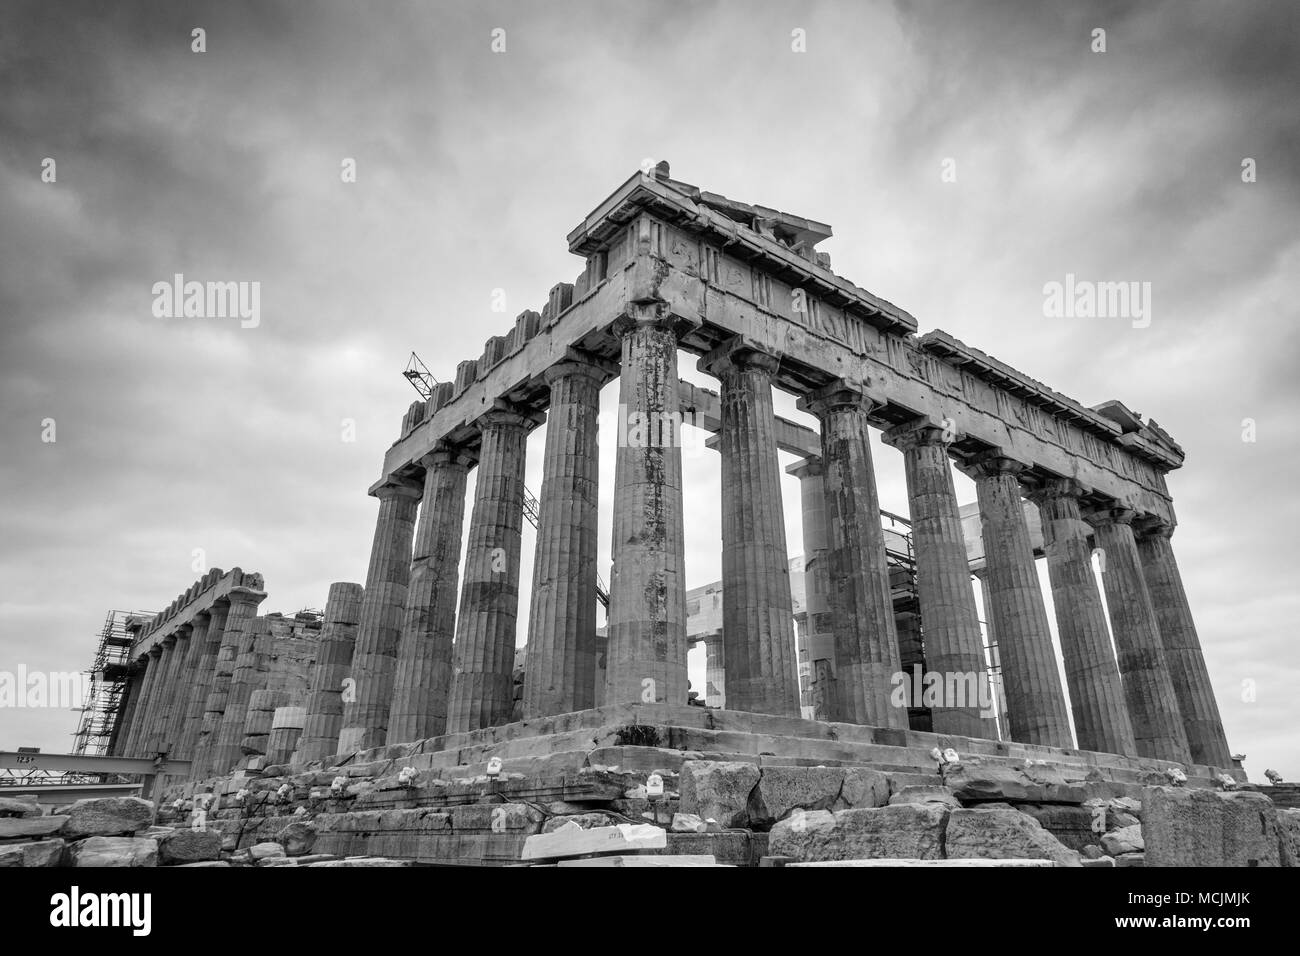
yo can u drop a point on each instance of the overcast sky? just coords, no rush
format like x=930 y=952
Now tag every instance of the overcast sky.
x=472 y=165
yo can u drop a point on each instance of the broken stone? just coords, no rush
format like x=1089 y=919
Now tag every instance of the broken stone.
x=106 y=816
x=1125 y=840
x=114 y=851
x=297 y=838
x=974 y=780
x=1193 y=827
x=782 y=789
x=261 y=851
x=1288 y=835
x=573 y=840
x=940 y=795
x=188 y=846
x=1003 y=834
x=43 y=853
x=688 y=823
x=26 y=828
x=10 y=807
x=907 y=831
x=718 y=789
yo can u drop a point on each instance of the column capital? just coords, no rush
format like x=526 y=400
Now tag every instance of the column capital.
x=738 y=352
x=202 y=617
x=447 y=456
x=918 y=433
x=396 y=487
x=1152 y=526
x=840 y=393
x=246 y=596
x=810 y=467
x=650 y=314
x=581 y=364
x=1055 y=488
x=504 y=414
x=991 y=464
x=156 y=651
x=1112 y=514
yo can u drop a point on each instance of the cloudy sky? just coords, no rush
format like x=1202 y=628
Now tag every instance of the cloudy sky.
x=176 y=434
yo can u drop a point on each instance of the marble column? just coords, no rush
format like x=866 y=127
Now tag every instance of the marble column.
x=153 y=739
x=820 y=640
x=949 y=619
x=205 y=644
x=1036 y=708
x=126 y=710
x=169 y=725
x=247 y=676
x=560 y=674
x=139 y=725
x=1191 y=679
x=383 y=608
x=241 y=612
x=331 y=674
x=866 y=642
x=424 y=654
x=1148 y=688
x=1101 y=721
x=757 y=610
x=482 y=682
x=646 y=659
x=715 y=670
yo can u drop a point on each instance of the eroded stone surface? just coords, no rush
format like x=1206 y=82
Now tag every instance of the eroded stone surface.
x=1183 y=827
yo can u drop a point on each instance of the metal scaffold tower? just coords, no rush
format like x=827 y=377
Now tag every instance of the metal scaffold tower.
x=108 y=676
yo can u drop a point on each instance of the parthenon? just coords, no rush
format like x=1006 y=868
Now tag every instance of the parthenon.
x=415 y=667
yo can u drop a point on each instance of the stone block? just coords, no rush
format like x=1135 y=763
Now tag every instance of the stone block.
x=1002 y=834
x=975 y=780
x=10 y=807
x=29 y=828
x=909 y=831
x=1288 y=836
x=42 y=853
x=298 y=838
x=939 y=795
x=114 y=851
x=106 y=816
x=783 y=789
x=1125 y=840
x=1183 y=827
x=718 y=790
x=188 y=846
x=573 y=840
x=1073 y=826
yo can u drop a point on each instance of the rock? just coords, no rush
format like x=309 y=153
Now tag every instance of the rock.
x=297 y=838
x=1093 y=852
x=107 y=816
x=189 y=846
x=718 y=789
x=10 y=807
x=584 y=820
x=1288 y=836
x=260 y=851
x=1102 y=861
x=974 y=780
x=1000 y=835
x=1131 y=859
x=43 y=853
x=940 y=795
x=207 y=863
x=781 y=789
x=114 y=851
x=1071 y=825
x=1125 y=840
x=1196 y=827
x=27 y=828
x=688 y=823
x=909 y=830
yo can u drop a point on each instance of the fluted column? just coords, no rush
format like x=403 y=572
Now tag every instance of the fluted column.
x=206 y=644
x=820 y=638
x=1148 y=688
x=757 y=611
x=424 y=655
x=482 y=682
x=140 y=724
x=1036 y=708
x=248 y=675
x=866 y=643
x=646 y=660
x=240 y=614
x=176 y=673
x=1101 y=720
x=324 y=710
x=949 y=619
x=383 y=608
x=1191 y=679
x=153 y=740
x=126 y=710
x=561 y=664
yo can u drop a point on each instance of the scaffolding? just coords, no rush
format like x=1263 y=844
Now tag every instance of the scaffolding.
x=108 y=678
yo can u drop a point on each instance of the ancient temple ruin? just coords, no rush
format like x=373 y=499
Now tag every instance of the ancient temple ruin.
x=417 y=665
